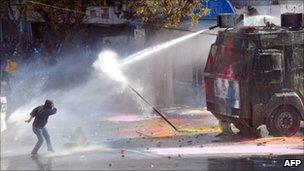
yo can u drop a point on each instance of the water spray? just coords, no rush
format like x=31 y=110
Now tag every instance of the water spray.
x=108 y=63
x=151 y=50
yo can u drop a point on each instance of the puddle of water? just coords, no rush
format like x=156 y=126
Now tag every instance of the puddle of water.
x=230 y=150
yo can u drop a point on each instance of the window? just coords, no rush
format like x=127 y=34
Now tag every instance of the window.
x=268 y=62
x=93 y=13
x=104 y=12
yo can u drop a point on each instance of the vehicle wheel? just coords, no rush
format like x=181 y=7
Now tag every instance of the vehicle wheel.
x=284 y=121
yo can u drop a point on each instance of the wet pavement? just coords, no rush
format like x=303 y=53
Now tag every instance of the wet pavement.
x=100 y=162
x=137 y=160
x=135 y=142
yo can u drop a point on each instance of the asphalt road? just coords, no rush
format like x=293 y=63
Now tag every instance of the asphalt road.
x=132 y=142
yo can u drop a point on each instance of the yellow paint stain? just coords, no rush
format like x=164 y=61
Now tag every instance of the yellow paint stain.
x=200 y=130
x=157 y=128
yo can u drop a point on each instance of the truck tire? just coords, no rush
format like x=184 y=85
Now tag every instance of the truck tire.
x=283 y=121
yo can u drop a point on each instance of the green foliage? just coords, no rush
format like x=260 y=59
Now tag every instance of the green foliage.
x=168 y=13
x=62 y=17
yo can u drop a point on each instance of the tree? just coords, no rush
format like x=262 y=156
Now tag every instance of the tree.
x=61 y=17
x=15 y=15
x=168 y=13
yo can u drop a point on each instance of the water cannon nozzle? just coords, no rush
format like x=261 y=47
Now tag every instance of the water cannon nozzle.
x=213 y=27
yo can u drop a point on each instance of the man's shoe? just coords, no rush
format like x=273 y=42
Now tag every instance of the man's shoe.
x=51 y=150
x=34 y=155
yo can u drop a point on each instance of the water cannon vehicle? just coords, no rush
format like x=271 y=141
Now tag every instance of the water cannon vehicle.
x=255 y=75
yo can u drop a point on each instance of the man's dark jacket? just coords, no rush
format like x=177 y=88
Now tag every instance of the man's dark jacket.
x=41 y=114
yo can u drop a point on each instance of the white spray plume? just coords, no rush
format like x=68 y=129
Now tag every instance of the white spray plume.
x=108 y=63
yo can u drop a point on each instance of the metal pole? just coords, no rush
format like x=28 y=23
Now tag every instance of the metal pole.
x=154 y=108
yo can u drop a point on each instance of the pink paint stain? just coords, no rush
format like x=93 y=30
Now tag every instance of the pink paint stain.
x=127 y=118
x=229 y=149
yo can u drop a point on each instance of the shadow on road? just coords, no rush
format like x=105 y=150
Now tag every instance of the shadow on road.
x=42 y=164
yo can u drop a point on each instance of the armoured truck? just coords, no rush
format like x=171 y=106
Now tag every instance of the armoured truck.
x=255 y=75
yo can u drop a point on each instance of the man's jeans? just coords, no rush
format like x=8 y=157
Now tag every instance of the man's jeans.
x=39 y=133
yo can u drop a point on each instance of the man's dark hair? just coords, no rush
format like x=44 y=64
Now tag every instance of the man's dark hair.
x=48 y=104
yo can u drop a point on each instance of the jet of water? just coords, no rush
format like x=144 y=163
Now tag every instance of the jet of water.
x=154 y=49
x=108 y=63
